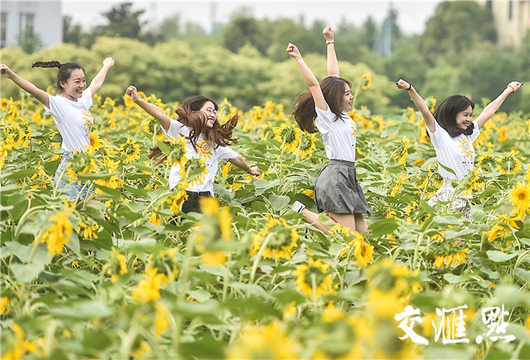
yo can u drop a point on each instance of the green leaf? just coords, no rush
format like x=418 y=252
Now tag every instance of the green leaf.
x=383 y=227
x=499 y=256
x=26 y=272
x=82 y=309
x=278 y=202
x=21 y=174
x=453 y=279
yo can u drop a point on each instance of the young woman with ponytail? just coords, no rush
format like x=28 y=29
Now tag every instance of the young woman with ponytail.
x=205 y=138
x=70 y=111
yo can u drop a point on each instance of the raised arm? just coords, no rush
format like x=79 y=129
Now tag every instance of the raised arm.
x=240 y=162
x=151 y=109
x=310 y=79
x=24 y=84
x=332 y=62
x=493 y=106
x=419 y=102
x=98 y=80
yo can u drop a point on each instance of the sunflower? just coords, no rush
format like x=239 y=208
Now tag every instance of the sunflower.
x=509 y=164
x=95 y=140
x=180 y=195
x=131 y=150
x=366 y=80
x=307 y=144
x=364 y=252
x=288 y=136
x=520 y=199
x=194 y=170
x=314 y=279
x=459 y=257
x=148 y=289
x=59 y=232
x=177 y=150
x=4 y=103
x=165 y=263
x=116 y=265
x=402 y=151
x=278 y=238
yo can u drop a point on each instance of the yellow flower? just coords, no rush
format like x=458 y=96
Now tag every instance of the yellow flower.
x=4 y=103
x=4 y=305
x=161 y=323
x=278 y=240
x=307 y=144
x=363 y=251
x=116 y=265
x=59 y=232
x=209 y=205
x=288 y=136
x=314 y=279
x=263 y=342
x=509 y=164
x=194 y=170
x=148 y=289
x=444 y=261
x=180 y=195
x=520 y=199
x=226 y=169
x=366 y=80
x=131 y=150
x=88 y=231
x=95 y=140
x=332 y=314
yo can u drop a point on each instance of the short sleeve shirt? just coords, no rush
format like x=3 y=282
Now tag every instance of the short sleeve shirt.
x=455 y=153
x=204 y=150
x=338 y=135
x=73 y=119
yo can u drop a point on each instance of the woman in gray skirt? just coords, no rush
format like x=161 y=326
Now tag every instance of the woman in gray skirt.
x=323 y=108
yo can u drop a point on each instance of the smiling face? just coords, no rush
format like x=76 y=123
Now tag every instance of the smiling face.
x=209 y=109
x=347 y=99
x=74 y=86
x=464 y=118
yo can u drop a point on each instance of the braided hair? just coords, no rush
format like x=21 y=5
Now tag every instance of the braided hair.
x=65 y=70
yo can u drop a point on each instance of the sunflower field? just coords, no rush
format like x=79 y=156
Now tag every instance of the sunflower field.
x=129 y=276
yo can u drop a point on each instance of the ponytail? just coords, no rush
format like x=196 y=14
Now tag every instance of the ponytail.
x=47 y=64
x=64 y=69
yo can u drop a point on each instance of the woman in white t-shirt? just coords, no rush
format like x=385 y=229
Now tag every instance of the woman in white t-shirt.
x=205 y=138
x=70 y=110
x=452 y=131
x=323 y=108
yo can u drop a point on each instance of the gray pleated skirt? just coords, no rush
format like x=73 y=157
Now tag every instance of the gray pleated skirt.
x=337 y=190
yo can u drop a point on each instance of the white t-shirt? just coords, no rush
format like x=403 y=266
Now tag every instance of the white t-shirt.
x=205 y=151
x=338 y=135
x=74 y=120
x=455 y=153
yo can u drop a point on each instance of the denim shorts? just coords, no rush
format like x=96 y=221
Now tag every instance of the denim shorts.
x=74 y=189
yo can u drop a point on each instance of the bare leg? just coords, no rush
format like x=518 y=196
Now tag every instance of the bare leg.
x=345 y=220
x=360 y=223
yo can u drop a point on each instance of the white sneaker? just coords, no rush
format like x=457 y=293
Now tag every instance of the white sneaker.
x=298 y=206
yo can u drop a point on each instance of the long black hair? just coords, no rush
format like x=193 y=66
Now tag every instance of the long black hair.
x=65 y=70
x=304 y=109
x=446 y=113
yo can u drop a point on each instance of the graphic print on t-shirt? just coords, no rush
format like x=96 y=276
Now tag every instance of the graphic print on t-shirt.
x=466 y=147
x=205 y=148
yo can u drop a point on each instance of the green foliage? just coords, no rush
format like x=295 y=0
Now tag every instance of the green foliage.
x=455 y=29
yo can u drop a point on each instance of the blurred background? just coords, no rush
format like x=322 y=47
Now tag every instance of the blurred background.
x=236 y=50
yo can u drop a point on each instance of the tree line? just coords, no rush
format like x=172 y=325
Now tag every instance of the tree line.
x=245 y=61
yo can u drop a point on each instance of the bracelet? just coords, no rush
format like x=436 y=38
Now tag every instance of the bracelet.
x=410 y=87
x=330 y=42
x=511 y=87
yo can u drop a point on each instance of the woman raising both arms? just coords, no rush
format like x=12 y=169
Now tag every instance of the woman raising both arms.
x=323 y=108
x=70 y=110
x=205 y=138
x=452 y=131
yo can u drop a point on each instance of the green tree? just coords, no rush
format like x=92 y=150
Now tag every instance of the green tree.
x=122 y=21
x=243 y=29
x=72 y=33
x=453 y=31
x=29 y=41
x=369 y=33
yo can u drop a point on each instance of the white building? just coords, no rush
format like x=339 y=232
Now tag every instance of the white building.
x=511 y=18
x=42 y=17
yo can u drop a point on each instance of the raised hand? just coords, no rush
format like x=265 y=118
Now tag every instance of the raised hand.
x=402 y=84
x=133 y=93
x=514 y=85
x=5 y=70
x=293 y=51
x=328 y=33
